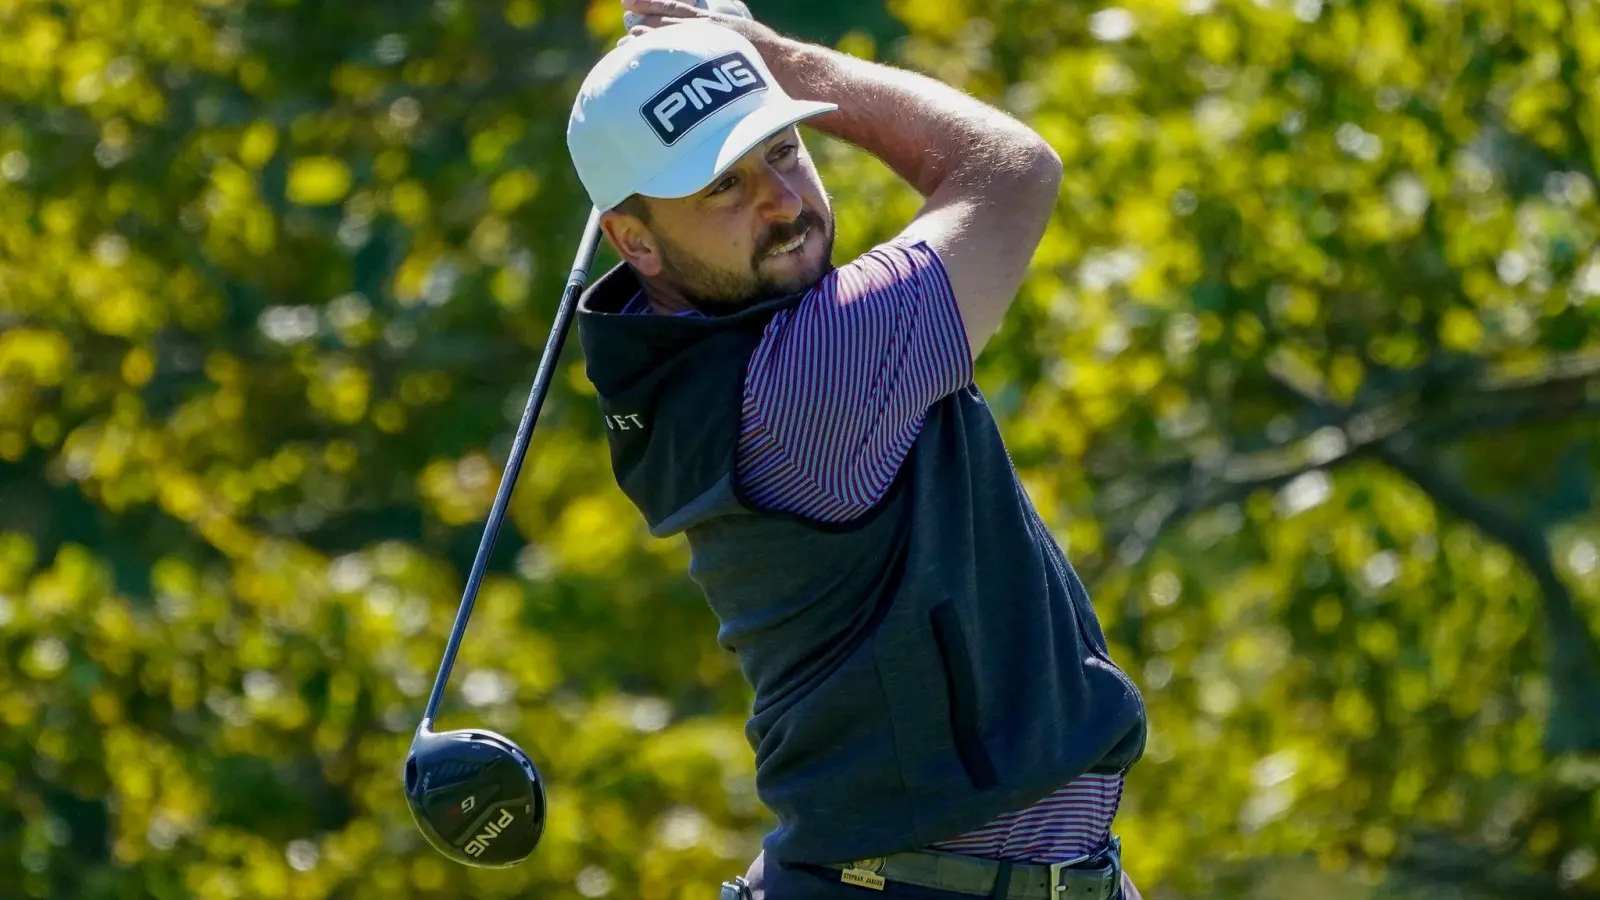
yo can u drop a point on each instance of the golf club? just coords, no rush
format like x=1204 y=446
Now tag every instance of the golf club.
x=475 y=794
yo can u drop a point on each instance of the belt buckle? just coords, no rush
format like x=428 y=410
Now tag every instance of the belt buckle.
x=1058 y=888
x=1113 y=855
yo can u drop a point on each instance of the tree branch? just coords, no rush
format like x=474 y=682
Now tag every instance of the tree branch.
x=1436 y=860
x=1574 y=663
x=1333 y=436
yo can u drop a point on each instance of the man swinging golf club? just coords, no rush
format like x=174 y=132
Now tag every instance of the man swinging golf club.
x=936 y=715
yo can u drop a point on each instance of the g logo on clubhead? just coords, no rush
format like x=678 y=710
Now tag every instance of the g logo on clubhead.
x=468 y=804
x=480 y=843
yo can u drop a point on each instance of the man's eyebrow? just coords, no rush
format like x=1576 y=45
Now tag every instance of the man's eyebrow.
x=788 y=133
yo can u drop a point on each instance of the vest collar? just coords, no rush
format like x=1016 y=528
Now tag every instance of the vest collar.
x=619 y=347
x=612 y=292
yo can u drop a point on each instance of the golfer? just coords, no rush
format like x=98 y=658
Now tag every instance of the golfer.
x=936 y=715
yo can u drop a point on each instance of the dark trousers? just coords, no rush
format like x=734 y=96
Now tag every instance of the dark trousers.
x=793 y=882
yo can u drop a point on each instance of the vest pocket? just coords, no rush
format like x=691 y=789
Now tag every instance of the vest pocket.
x=963 y=693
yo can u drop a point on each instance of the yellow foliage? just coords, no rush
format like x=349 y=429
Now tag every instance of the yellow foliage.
x=409 y=201
x=513 y=189
x=318 y=180
x=227 y=372
x=1460 y=330
x=41 y=357
x=258 y=144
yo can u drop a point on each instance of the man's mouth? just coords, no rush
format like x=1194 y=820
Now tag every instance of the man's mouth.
x=791 y=246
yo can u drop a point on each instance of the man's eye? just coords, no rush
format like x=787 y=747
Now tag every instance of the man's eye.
x=783 y=152
x=723 y=185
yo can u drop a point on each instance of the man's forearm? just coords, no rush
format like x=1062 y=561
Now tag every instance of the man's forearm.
x=923 y=129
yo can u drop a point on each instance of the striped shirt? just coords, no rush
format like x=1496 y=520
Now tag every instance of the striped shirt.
x=834 y=396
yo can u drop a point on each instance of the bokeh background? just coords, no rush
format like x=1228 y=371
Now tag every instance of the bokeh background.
x=1305 y=375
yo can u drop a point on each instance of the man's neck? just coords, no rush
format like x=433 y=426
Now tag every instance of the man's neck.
x=664 y=299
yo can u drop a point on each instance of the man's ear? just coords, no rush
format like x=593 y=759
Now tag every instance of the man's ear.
x=632 y=240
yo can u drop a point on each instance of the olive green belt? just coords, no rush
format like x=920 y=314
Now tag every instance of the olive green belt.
x=1095 y=877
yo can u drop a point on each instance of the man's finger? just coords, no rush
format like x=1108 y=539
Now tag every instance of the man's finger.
x=642 y=24
x=671 y=8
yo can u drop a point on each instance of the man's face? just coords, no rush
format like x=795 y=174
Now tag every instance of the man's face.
x=762 y=229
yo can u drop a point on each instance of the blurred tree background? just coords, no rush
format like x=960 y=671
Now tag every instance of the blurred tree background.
x=1305 y=375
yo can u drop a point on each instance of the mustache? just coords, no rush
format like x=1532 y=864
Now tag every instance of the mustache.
x=783 y=234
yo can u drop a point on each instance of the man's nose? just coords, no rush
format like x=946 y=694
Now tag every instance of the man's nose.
x=779 y=201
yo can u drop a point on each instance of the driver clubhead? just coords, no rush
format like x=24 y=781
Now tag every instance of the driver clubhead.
x=476 y=796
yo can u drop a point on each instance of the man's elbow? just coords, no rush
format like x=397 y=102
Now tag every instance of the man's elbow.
x=1046 y=166
x=1032 y=167
x=1035 y=179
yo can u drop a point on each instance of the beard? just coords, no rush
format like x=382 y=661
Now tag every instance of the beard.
x=720 y=291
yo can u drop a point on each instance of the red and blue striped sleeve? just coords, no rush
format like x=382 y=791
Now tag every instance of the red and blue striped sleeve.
x=839 y=385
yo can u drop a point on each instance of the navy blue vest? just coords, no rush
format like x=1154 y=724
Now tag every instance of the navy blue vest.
x=917 y=671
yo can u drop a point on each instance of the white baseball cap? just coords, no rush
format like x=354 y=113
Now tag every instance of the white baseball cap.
x=667 y=112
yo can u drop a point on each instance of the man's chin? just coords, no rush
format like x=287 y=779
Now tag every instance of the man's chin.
x=786 y=278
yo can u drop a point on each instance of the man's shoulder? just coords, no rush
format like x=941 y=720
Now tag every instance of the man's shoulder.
x=895 y=265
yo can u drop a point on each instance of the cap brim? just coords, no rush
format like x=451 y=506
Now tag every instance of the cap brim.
x=719 y=150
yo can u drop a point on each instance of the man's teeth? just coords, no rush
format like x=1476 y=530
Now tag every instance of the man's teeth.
x=791 y=246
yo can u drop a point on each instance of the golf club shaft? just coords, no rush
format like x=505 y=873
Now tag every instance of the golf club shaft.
x=519 y=449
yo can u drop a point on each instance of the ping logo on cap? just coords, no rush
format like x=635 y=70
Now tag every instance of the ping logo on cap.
x=698 y=93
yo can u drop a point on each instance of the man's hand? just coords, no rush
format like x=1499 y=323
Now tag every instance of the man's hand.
x=645 y=15
x=725 y=7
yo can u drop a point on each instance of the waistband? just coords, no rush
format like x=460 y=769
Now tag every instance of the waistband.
x=1097 y=876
